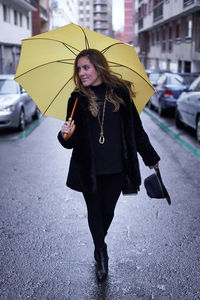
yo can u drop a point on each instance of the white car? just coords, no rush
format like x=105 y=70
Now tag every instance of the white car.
x=16 y=106
x=188 y=108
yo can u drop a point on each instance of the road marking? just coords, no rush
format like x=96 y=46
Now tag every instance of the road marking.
x=194 y=151
x=25 y=133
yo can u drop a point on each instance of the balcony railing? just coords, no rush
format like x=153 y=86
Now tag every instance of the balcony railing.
x=100 y=10
x=187 y=3
x=158 y=12
x=35 y=3
x=100 y=1
x=43 y=13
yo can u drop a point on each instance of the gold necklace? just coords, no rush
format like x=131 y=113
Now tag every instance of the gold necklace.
x=101 y=123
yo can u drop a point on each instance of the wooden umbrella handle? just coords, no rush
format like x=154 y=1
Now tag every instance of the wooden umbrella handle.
x=68 y=135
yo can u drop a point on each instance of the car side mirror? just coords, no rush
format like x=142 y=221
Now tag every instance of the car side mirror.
x=22 y=90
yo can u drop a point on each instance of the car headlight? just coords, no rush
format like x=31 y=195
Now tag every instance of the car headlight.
x=7 y=109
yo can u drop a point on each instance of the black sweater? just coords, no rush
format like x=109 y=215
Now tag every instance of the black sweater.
x=108 y=156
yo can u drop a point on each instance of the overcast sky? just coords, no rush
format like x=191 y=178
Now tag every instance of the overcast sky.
x=118 y=14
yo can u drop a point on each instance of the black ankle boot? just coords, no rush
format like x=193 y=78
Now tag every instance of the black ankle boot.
x=101 y=257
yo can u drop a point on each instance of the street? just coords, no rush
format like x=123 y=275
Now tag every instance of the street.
x=46 y=247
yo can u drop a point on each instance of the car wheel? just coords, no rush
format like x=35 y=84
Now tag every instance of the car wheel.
x=160 y=109
x=198 y=129
x=21 y=120
x=37 y=114
x=179 y=123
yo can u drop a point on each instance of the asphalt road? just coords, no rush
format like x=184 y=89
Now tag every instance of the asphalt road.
x=46 y=247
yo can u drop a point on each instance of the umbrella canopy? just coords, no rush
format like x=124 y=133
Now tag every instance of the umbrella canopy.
x=46 y=64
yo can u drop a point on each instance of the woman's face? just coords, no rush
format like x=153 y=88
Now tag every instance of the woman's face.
x=87 y=72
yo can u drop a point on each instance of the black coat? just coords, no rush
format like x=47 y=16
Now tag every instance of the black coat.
x=82 y=175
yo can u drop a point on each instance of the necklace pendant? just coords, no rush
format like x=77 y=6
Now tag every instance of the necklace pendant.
x=101 y=139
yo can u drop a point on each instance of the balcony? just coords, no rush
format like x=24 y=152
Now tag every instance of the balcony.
x=102 y=17
x=158 y=12
x=100 y=10
x=186 y=3
x=102 y=26
x=29 y=5
x=43 y=14
x=100 y=1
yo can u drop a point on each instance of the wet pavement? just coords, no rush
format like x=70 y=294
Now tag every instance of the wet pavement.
x=46 y=247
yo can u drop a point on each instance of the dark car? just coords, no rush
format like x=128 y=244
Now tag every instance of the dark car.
x=168 y=89
x=16 y=106
x=188 y=108
x=154 y=75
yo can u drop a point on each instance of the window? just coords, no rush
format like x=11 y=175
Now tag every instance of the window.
x=6 y=13
x=161 y=80
x=20 y=19
x=170 y=39
x=177 y=31
x=8 y=87
x=28 y=22
x=175 y=80
x=189 y=29
x=15 y=17
x=195 y=86
x=163 y=40
x=152 y=39
x=157 y=37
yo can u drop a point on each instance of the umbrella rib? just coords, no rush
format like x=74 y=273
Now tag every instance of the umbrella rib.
x=57 y=95
x=69 y=49
x=107 y=48
x=51 y=62
x=119 y=65
x=66 y=45
x=86 y=39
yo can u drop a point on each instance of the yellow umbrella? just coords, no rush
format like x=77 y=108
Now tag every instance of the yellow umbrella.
x=45 y=67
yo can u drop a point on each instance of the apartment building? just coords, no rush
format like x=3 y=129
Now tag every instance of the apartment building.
x=128 y=21
x=86 y=13
x=63 y=12
x=96 y=15
x=15 y=25
x=40 y=18
x=168 y=34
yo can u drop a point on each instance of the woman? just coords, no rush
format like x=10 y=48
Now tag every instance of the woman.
x=105 y=143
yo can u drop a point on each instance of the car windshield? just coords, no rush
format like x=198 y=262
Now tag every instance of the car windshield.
x=153 y=77
x=195 y=86
x=8 y=86
x=175 y=79
x=188 y=79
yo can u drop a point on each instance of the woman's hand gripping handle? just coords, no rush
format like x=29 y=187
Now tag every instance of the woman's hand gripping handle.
x=69 y=127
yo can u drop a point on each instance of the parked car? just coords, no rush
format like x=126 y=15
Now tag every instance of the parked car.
x=154 y=75
x=168 y=89
x=16 y=106
x=188 y=108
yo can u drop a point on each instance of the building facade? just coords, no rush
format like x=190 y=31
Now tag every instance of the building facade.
x=15 y=25
x=63 y=12
x=40 y=17
x=128 y=21
x=86 y=13
x=168 y=34
x=96 y=15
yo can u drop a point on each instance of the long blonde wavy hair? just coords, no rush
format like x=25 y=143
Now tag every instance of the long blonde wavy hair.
x=110 y=78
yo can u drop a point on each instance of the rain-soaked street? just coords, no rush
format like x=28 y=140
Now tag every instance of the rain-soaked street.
x=46 y=247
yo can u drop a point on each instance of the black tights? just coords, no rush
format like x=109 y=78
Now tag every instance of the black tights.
x=102 y=205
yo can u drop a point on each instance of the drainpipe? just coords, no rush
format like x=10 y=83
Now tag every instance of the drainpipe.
x=2 y=58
